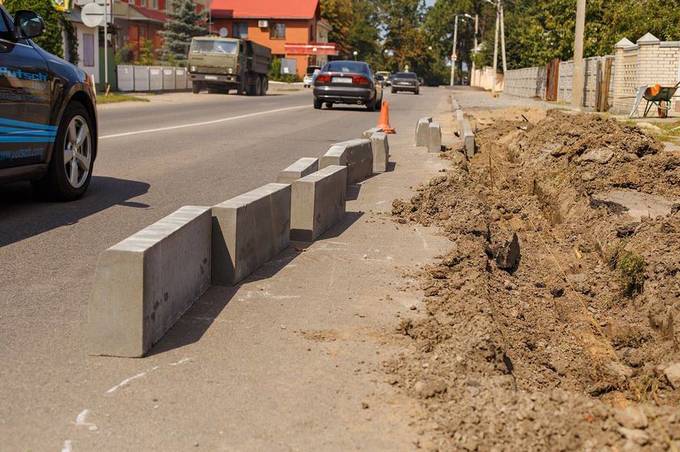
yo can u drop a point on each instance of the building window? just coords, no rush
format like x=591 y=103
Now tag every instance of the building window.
x=142 y=3
x=278 y=31
x=241 y=30
x=88 y=49
x=154 y=4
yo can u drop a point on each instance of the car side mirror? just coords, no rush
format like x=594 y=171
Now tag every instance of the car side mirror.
x=28 y=24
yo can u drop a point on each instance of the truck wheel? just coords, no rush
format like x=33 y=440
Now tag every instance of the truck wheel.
x=265 y=85
x=258 y=86
x=195 y=88
x=317 y=104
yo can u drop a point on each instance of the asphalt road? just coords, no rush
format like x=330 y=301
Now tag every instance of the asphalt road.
x=153 y=158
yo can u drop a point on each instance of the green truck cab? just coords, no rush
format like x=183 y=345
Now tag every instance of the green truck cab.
x=221 y=64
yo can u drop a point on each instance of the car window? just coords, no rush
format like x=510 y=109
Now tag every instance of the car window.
x=214 y=47
x=405 y=75
x=3 y=23
x=346 y=67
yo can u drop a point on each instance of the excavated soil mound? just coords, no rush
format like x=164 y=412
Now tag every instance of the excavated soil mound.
x=570 y=341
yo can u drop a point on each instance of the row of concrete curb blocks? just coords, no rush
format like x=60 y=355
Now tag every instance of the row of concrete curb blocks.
x=465 y=129
x=145 y=283
x=356 y=155
x=248 y=231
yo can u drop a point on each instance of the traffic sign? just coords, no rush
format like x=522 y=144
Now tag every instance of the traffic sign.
x=93 y=15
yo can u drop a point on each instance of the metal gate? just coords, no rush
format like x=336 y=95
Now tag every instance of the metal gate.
x=553 y=78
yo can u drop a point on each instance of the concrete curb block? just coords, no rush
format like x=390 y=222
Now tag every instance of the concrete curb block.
x=357 y=155
x=469 y=138
x=145 y=283
x=300 y=168
x=248 y=231
x=422 y=131
x=381 y=152
x=454 y=104
x=434 y=140
x=318 y=202
x=369 y=133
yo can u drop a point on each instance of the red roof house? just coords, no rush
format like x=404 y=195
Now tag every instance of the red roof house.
x=292 y=29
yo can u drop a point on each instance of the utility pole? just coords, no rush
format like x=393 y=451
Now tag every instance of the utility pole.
x=495 y=54
x=579 y=64
x=474 y=51
x=453 y=53
x=502 y=17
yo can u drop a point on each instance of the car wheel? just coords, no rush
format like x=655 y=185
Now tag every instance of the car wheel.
x=70 y=169
x=317 y=104
x=195 y=88
x=394 y=91
x=329 y=105
x=370 y=106
x=417 y=92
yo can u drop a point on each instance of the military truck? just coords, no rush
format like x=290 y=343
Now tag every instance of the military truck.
x=222 y=64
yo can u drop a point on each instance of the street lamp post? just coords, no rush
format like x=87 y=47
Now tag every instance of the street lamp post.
x=454 y=53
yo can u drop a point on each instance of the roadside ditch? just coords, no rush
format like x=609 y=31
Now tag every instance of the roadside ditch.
x=567 y=337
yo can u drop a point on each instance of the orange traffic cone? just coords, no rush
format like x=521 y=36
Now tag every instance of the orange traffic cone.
x=384 y=121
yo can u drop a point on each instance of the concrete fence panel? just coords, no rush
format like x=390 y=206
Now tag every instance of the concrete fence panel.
x=155 y=78
x=300 y=168
x=126 y=78
x=145 y=283
x=318 y=202
x=169 y=79
x=141 y=74
x=248 y=231
x=357 y=155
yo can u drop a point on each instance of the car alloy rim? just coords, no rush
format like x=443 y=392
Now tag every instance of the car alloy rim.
x=77 y=151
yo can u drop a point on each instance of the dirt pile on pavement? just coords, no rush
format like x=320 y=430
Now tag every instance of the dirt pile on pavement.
x=575 y=348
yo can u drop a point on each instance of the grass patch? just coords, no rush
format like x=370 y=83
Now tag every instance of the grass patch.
x=116 y=98
x=670 y=131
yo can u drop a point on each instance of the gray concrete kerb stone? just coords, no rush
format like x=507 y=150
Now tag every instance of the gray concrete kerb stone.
x=434 y=139
x=145 y=283
x=301 y=168
x=357 y=155
x=248 y=231
x=368 y=133
x=422 y=131
x=381 y=152
x=318 y=202
x=468 y=139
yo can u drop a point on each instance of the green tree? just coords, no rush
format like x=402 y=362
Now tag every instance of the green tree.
x=56 y=25
x=146 y=55
x=338 y=13
x=184 y=23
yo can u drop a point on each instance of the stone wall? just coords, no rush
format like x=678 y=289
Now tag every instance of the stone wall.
x=526 y=82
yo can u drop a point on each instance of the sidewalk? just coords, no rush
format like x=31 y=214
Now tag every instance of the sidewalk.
x=292 y=359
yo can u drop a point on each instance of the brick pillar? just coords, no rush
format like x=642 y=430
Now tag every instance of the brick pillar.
x=619 y=73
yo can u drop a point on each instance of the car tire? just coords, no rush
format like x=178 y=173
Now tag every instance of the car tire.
x=69 y=180
x=370 y=106
x=329 y=105
x=394 y=91
x=317 y=104
x=195 y=88
x=417 y=92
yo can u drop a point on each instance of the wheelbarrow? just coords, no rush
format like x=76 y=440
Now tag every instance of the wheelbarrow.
x=658 y=95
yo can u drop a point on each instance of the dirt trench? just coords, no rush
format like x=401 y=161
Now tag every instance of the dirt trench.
x=573 y=344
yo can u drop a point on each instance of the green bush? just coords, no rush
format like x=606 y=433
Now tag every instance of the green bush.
x=631 y=267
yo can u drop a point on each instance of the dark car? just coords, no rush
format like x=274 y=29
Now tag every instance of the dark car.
x=347 y=82
x=48 y=120
x=405 y=81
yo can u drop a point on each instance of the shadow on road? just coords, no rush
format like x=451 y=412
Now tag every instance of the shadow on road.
x=22 y=216
x=191 y=327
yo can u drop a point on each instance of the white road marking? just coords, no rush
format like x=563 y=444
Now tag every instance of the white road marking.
x=81 y=421
x=181 y=361
x=67 y=446
x=128 y=380
x=204 y=123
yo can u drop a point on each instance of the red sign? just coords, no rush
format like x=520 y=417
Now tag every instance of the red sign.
x=313 y=48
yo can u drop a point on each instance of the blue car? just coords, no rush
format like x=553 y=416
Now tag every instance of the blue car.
x=48 y=116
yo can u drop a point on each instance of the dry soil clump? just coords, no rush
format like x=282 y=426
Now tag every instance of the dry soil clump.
x=564 y=337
